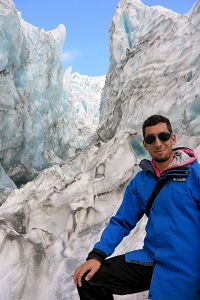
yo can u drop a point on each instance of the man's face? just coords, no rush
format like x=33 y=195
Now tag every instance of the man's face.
x=160 y=151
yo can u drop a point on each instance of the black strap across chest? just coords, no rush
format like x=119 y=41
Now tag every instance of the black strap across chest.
x=155 y=192
x=179 y=174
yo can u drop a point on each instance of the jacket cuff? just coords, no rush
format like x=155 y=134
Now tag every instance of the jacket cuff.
x=97 y=254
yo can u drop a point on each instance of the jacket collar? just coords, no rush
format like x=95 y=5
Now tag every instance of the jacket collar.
x=182 y=157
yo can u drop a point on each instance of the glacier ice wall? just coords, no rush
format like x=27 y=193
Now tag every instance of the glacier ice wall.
x=154 y=56
x=31 y=77
x=36 y=103
x=48 y=226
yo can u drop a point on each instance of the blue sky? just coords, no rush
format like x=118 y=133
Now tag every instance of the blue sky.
x=87 y=22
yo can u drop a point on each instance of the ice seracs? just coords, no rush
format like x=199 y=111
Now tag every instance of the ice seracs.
x=41 y=120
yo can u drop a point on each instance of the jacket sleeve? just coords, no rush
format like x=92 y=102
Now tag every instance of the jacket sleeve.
x=120 y=225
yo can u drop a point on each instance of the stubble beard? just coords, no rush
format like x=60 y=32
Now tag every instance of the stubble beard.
x=163 y=159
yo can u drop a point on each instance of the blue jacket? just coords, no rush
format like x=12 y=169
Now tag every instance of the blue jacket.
x=172 y=241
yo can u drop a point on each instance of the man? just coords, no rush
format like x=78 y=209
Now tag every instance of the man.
x=169 y=263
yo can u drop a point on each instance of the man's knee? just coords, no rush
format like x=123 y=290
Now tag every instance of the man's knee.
x=88 y=290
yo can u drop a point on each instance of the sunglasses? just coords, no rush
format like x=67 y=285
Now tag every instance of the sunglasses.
x=163 y=136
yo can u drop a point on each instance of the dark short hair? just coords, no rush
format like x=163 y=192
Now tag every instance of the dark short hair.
x=154 y=120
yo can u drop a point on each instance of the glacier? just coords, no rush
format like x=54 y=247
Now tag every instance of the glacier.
x=83 y=102
x=37 y=99
x=86 y=152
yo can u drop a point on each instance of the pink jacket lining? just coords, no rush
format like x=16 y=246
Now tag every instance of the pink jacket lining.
x=189 y=161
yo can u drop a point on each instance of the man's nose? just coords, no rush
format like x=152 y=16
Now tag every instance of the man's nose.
x=157 y=142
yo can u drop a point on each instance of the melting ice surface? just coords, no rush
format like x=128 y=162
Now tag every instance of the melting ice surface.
x=48 y=225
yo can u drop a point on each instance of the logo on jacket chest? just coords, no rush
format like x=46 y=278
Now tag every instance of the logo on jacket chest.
x=180 y=179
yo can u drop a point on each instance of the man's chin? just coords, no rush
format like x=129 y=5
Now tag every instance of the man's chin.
x=161 y=159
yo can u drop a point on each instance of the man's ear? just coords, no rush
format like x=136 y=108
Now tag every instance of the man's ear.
x=173 y=139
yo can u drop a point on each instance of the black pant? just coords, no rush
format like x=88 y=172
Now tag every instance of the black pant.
x=116 y=276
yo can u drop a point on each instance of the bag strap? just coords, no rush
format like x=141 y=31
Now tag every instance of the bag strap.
x=177 y=174
x=159 y=185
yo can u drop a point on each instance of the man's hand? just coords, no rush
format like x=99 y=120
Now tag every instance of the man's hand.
x=91 y=265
